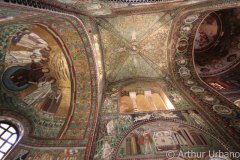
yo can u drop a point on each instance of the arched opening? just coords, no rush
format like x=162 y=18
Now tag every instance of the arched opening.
x=144 y=97
x=11 y=131
x=8 y=138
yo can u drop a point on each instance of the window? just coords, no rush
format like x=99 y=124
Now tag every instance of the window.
x=141 y=100
x=8 y=138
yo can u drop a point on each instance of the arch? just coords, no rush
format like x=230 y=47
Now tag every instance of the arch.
x=71 y=130
x=166 y=128
x=204 y=98
x=219 y=65
x=11 y=132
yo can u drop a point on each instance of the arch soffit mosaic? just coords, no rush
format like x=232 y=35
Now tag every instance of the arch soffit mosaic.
x=183 y=71
x=81 y=57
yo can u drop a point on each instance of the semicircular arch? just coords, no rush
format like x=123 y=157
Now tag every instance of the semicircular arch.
x=74 y=42
x=217 y=108
x=161 y=133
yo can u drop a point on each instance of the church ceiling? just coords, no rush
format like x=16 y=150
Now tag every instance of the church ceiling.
x=133 y=51
x=134 y=47
x=114 y=123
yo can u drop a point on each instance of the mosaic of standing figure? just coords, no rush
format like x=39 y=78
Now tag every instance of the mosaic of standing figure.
x=30 y=71
x=155 y=139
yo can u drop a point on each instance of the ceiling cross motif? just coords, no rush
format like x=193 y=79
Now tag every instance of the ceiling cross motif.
x=135 y=46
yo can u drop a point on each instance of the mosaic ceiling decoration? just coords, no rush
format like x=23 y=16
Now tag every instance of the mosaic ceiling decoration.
x=130 y=51
x=133 y=51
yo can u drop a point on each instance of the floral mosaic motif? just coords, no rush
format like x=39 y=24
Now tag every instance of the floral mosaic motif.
x=223 y=110
x=82 y=79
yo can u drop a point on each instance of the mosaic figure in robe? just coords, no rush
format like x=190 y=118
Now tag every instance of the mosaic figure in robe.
x=30 y=40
